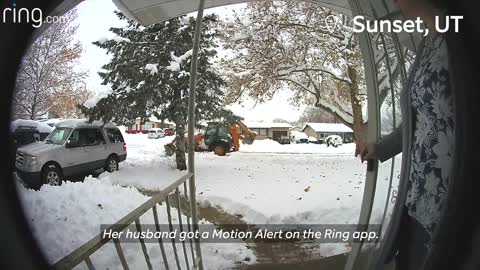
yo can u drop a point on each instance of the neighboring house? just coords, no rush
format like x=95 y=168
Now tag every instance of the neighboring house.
x=268 y=130
x=143 y=125
x=322 y=130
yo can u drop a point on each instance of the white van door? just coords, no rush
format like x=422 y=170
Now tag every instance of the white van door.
x=96 y=147
x=74 y=159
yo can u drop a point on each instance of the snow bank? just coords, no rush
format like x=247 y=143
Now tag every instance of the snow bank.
x=64 y=218
x=271 y=146
x=42 y=127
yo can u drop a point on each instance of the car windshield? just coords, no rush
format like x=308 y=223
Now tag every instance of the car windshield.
x=58 y=136
x=153 y=131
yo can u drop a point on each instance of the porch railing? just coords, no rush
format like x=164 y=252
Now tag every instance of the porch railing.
x=83 y=254
x=191 y=259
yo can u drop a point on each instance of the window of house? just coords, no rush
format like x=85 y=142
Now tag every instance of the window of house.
x=147 y=126
x=260 y=131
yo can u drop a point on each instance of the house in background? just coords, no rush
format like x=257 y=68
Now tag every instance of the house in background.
x=322 y=130
x=268 y=130
x=142 y=125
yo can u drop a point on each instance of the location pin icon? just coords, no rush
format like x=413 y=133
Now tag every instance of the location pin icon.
x=331 y=23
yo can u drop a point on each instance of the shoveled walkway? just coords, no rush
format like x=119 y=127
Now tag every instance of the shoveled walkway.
x=274 y=256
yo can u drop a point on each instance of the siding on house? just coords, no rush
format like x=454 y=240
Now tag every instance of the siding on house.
x=311 y=132
x=146 y=124
x=268 y=130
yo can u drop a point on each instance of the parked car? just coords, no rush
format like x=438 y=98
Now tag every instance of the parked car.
x=283 y=140
x=28 y=131
x=75 y=148
x=168 y=132
x=333 y=140
x=313 y=140
x=298 y=137
x=155 y=133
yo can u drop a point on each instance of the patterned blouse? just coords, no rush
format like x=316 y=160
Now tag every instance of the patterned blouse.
x=433 y=138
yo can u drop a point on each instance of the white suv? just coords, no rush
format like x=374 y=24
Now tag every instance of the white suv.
x=75 y=148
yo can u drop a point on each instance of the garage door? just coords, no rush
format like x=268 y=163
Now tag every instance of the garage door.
x=277 y=134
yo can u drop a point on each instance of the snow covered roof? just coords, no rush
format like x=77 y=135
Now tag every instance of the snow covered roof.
x=41 y=126
x=50 y=121
x=328 y=127
x=299 y=134
x=156 y=120
x=74 y=123
x=267 y=125
x=152 y=119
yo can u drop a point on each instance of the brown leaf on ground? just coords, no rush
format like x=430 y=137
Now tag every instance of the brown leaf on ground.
x=307 y=189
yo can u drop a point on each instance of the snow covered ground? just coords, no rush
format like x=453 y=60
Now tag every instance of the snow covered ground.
x=64 y=218
x=263 y=183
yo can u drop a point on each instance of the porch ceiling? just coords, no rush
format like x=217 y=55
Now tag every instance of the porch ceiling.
x=148 y=12
x=152 y=11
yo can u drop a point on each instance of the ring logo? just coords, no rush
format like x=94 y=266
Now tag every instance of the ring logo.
x=24 y=15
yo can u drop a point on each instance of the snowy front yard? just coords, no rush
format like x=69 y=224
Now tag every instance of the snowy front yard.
x=263 y=183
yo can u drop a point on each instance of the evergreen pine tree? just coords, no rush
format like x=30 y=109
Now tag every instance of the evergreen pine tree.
x=149 y=74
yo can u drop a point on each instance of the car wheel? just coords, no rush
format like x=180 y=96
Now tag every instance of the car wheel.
x=112 y=164
x=52 y=175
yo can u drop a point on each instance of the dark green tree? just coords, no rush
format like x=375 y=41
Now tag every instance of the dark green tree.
x=149 y=74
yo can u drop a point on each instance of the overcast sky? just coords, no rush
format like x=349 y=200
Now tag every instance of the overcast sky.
x=95 y=17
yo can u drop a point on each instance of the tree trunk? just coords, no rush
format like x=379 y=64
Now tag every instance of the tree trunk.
x=179 y=132
x=32 y=114
x=180 y=143
x=359 y=128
